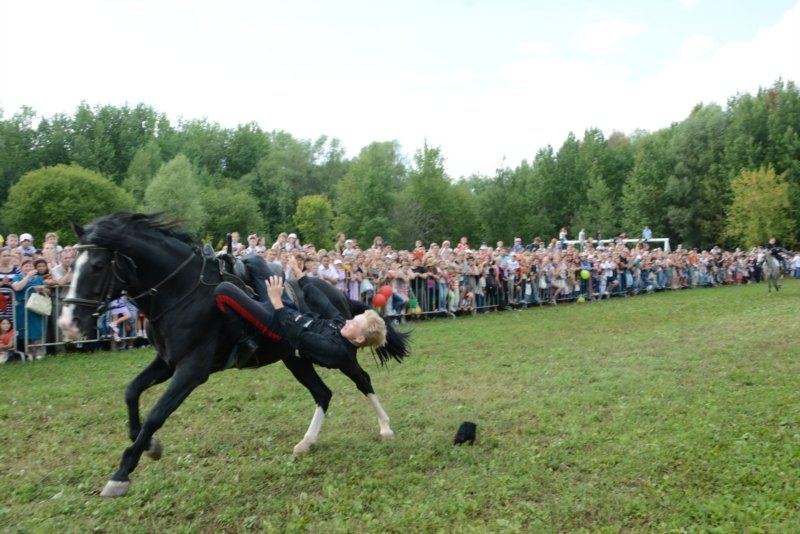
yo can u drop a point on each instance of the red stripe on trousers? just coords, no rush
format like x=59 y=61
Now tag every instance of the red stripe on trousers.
x=225 y=300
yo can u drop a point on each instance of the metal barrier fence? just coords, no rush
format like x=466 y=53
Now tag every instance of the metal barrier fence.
x=471 y=294
x=434 y=298
x=49 y=335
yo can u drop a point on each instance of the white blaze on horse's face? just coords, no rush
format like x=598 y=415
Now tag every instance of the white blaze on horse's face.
x=66 y=320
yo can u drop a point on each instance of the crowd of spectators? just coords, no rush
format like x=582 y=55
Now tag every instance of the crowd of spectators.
x=426 y=280
x=440 y=279
x=47 y=269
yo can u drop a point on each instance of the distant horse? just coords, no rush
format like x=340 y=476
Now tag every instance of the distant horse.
x=771 y=269
x=172 y=282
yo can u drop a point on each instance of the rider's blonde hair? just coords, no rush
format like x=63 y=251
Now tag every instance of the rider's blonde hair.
x=374 y=330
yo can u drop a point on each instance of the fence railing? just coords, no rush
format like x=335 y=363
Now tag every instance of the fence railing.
x=466 y=295
x=541 y=288
x=34 y=333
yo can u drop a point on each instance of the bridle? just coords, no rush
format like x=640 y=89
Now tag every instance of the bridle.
x=113 y=275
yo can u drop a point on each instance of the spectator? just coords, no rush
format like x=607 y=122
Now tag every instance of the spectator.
x=6 y=339
x=467 y=304
x=7 y=267
x=445 y=250
x=30 y=326
x=50 y=255
x=62 y=273
x=52 y=238
x=418 y=275
x=271 y=256
x=339 y=244
x=796 y=264
x=280 y=243
x=26 y=247
x=327 y=271
x=349 y=248
x=43 y=270
x=534 y=245
x=252 y=244
x=120 y=315
x=292 y=242
x=12 y=241
x=236 y=245
x=341 y=274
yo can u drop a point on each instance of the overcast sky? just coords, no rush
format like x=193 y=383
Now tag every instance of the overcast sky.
x=490 y=82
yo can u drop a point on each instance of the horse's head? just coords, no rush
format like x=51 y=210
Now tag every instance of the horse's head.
x=137 y=252
x=99 y=275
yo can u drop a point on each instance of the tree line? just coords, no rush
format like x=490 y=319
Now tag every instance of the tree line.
x=727 y=176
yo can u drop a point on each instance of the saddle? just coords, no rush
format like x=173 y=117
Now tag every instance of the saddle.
x=249 y=274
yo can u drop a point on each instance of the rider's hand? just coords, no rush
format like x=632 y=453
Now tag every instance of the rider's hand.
x=275 y=290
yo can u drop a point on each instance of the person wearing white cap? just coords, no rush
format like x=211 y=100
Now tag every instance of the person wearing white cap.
x=252 y=243
x=26 y=247
x=292 y=242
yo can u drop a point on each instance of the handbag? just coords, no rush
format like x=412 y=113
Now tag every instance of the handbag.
x=38 y=303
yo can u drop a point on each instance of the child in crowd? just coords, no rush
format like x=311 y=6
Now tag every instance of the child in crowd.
x=120 y=314
x=6 y=339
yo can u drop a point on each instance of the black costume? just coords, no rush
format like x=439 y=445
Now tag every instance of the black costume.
x=317 y=336
x=775 y=250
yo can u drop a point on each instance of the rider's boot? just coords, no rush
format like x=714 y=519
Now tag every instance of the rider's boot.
x=246 y=345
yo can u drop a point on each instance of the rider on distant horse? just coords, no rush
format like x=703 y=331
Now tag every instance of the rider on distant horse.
x=776 y=251
x=325 y=337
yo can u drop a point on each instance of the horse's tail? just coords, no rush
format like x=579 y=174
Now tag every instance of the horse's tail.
x=397 y=343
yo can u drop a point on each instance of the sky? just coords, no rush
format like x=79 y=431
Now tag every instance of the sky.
x=489 y=82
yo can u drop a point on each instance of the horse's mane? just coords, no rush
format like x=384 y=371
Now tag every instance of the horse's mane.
x=109 y=230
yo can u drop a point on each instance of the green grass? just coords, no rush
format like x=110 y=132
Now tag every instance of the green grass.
x=666 y=413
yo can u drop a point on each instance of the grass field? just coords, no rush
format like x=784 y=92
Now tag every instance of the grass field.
x=666 y=413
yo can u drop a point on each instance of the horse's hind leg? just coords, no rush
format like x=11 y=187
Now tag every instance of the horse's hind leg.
x=186 y=379
x=364 y=385
x=304 y=372
x=155 y=373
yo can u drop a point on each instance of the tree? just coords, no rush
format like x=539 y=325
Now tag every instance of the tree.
x=46 y=200
x=643 y=193
x=229 y=207
x=313 y=219
x=53 y=138
x=245 y=147
x=175 y=189
x=598 y=212
x=280 y=178
x=16 y=143
x=203 y=143
x=366 y=195
x=143 y=168
x=698 y=189
x=428 y=212
x=760 y=207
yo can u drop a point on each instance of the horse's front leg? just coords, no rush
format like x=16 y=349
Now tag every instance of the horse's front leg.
x=155 y=373
x=187 y=377
x=303 y=370
x=364 y=385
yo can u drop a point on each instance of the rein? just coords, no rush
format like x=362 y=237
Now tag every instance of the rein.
x=151 y=292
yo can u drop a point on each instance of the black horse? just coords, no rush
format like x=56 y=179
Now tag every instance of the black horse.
x=172 y=282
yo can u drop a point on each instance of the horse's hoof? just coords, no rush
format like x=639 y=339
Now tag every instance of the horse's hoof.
x=115 y=488
x=387 y=436
x=302 y=448
x=155 y=451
